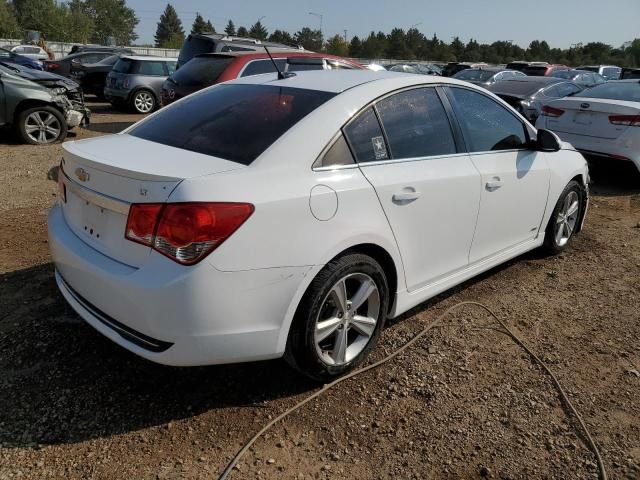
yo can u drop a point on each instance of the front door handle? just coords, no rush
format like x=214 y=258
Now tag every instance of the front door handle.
x=493 y=184
x=406 y=196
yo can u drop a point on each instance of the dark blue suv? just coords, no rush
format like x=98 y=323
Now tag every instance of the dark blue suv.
x=10 y=57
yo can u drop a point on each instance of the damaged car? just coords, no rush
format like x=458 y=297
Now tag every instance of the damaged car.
x=42 y=107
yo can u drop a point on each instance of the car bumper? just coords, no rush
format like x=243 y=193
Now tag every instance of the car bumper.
x=171 y=314
x=621 y=148
x=116 y=94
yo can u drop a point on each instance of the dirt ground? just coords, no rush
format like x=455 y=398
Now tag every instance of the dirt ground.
x=464 y=402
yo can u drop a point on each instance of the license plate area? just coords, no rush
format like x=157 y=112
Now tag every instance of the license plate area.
x=93 y=220
x=582 y=118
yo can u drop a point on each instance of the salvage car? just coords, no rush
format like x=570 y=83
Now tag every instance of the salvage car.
x=211 y=68
x=11 y=57
x=581 y=77
x=546 y=70
x=529 y=94
x=602 y=121
x=609 y=72
x=42 y=111
x=66 y=65
x=34 y=52
x=92 y=77
x=136 y=82
x=277 y=215
x=486 y=76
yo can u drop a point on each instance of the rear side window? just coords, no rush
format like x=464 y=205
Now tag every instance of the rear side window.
x=487 y=125
x=123 y=66
x=155 y=69
x=233 y=122
x=416 y=124
x=201 y=71
x=611 y=73
x=366 y=139
x=258 y=67
x=338 y=154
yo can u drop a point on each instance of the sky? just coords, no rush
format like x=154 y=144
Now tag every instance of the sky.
x=561 y=23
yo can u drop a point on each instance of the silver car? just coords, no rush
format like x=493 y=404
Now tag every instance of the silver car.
x=136 y=82
x=487 y=75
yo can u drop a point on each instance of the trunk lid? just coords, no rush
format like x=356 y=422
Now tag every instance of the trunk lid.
x=104 y=176
x=590 y=116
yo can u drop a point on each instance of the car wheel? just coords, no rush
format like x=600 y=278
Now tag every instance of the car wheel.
x=41 y=125
x=564 y=220
x=339 y=318
x=143 y=101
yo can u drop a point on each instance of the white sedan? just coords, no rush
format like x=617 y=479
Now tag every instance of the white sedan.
x=267 y=217
x=602 y=121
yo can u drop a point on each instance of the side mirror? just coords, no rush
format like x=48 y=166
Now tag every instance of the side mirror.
x=547 y=141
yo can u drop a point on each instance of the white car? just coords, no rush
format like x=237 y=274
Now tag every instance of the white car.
x=31 y=51
x=267 y=217
x=603 y=120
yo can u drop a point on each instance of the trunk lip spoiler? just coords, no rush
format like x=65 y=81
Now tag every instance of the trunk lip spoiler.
x=99 y=199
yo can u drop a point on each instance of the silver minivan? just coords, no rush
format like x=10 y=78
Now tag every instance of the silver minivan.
x=136 y=82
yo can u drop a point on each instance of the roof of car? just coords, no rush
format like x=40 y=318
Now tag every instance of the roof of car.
x=274 y=53
x=337 y=81
x=538 y=80
x=149 y=58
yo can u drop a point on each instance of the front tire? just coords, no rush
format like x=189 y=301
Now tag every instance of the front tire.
x=565 y=218
x=340 y=318
x=41 y=125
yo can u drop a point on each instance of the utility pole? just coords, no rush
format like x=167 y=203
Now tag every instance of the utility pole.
x=320 y=16
x=345 y=36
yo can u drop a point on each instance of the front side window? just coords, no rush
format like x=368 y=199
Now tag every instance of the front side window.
x=416 y=124
x=233 y=122
x=155 y=69
x=366 y=139
x=486 y=125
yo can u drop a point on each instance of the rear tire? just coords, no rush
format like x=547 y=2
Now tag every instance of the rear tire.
x=565 y=219
x=339 y=319
x=143 y=101
x=41 y=125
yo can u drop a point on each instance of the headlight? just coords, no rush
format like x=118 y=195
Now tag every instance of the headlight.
x=58 y=91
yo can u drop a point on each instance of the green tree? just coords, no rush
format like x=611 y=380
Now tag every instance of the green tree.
x=243 y=32
x=230 y=29
x=8 y=24
x=457 y=48
x=309 y=39
x=336 y=45
x=397 y=45
x=209 y=27
x=169 y=32
x=258 y=31
x=112 y=18
x=199 y=25
x=355 y=47
x=280 y=36
x=374 y=46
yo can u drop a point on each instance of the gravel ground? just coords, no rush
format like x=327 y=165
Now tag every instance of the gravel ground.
x=464 y=402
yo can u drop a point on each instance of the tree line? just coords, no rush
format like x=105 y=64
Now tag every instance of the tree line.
x=97 y=21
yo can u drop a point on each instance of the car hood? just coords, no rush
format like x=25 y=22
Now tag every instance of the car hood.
x=46 y=79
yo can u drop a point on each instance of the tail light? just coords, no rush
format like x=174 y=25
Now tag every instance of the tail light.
x=126 y=82
x=185 y=232
x=548 y=111
x=52 y=66
x=627 y=120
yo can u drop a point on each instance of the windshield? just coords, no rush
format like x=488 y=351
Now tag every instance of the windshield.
x=628 y=91
x=201 y=71
x=566 y=74
x=475 y=75
x=109 y=60
x=193 y=46
x=233 y=122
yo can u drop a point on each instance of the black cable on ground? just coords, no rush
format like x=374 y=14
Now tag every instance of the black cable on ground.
x=591 y=443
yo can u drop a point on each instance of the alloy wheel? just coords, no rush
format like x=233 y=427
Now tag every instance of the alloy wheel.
x=567 y=219
x=144 y=102
x=42 y=127
x=347 y=319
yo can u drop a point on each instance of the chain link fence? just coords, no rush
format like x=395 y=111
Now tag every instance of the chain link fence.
x=61 y=49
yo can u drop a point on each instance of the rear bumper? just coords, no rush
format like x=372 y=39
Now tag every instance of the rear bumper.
x=116 y=94
x=621 y=148
x=172 y=314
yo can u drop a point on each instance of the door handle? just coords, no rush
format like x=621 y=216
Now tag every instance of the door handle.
x=493 y=184
x=406 y=196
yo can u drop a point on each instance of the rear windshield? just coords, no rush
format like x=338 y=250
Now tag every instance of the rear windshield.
x=123 y=66
x=535 y=71
x=475 y=75
x=201 y=71
x=233 y=122
x=193 y=46
x=629 y=91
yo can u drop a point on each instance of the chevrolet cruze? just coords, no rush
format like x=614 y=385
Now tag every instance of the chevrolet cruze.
x=289 y=217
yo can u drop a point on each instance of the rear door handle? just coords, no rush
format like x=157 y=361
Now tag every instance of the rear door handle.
x=406 y=196
x=493 y=184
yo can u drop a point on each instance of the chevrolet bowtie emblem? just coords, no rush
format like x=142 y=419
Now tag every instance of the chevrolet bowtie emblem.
x=82 y=174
